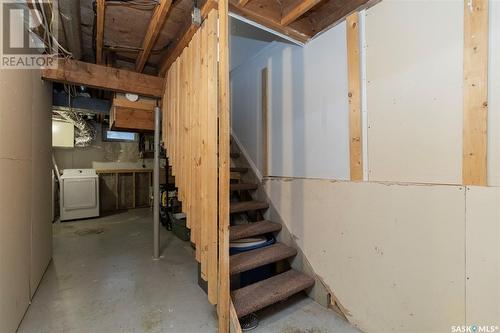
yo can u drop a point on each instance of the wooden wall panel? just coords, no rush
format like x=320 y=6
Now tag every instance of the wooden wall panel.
x=223 y=305
x=107 y=191
x=191 y=120
x=126 y=191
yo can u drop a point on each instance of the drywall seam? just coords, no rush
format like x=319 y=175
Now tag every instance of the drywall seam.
x=387 y=183
x=258 y=174
x=465 y=251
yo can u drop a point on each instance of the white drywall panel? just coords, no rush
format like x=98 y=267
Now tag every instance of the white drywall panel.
x=246 y=41
x=41 y=186
x=483 y=256
x=393 y=255
x=494 y=96
x=308 y=107
x=414 y=91
x=15 y=202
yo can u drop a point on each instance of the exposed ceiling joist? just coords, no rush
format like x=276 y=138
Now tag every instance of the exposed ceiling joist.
x=300 y=20
x=155 y=26
x=101 y=12
x=328 y=18
x=295 y=9
x=103 y=77
x=176 y=49
x=270 y=21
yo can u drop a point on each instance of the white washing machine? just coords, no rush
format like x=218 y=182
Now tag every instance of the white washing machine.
x=79 y=197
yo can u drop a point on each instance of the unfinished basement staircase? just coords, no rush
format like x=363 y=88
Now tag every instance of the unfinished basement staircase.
x=284 y=281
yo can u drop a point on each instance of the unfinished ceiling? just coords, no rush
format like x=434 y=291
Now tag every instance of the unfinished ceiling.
x=146 y=35
x=125 y=26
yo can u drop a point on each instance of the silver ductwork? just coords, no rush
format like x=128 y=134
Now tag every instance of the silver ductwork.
x=85 y=133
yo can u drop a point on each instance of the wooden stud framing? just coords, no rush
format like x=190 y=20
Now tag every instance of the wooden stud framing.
x=191 y=137
x=179 y=46
x=101 y=12
x=474 y=169
x=354 y=77
x=212 y=256
x=204 y=148
x=265 y=123
x=223 y=305
x=155 y=25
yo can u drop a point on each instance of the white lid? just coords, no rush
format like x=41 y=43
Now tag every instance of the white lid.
x=76 y=173
x=248 y=242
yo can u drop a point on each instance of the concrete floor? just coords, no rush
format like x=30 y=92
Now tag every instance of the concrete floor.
x=103 y=279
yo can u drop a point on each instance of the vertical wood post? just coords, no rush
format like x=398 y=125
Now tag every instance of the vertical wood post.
x=475 y=135
x=224 y=145
x=101 y=12
x=354 y=77
x=265 y=124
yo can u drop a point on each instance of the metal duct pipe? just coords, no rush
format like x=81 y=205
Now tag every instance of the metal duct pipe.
x=156 y=188
x=69 y=11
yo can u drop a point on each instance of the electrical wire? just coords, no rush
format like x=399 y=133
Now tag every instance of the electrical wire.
x=49 y=39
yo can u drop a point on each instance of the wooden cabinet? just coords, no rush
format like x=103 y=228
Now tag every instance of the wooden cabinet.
x=136 y=116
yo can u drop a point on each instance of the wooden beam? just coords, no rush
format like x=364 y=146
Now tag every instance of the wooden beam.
x=103 y=77
x=296 y=9
x=243 y=2
x=474 y=169
x=99 y=41
x=354 y=78
x=223 y=304
x=268 y=22
x=176 y=50
x=155 y=26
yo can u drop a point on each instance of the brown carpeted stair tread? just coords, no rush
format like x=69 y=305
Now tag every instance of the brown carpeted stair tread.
x=238 y=169
x=245 y=206
x=245 y=261
x=243 y=187
x=267 y=292
x=253 y=229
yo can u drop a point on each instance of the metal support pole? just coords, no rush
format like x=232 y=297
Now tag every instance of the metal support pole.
x=156 y=187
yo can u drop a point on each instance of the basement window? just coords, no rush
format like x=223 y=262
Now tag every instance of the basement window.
x=120 y=136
